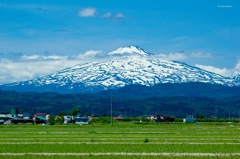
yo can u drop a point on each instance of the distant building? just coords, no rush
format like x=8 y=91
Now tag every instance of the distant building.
x=152 y=117
x=5 y=117
x=164 y=118
x=26 y=115
x=13 y=111
x=119 y=118
x=68 y=119
x=189 y=119
x=21 y=121
x=12 y=117
x=81 y=119
x=40 y=118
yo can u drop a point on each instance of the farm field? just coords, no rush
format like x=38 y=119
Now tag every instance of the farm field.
x=122 y=140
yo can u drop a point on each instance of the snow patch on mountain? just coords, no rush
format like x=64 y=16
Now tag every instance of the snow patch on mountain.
x=236 y=80
x=130 y=51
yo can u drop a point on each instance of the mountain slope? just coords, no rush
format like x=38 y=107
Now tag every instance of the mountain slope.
x=236 y=80
x=111 y=74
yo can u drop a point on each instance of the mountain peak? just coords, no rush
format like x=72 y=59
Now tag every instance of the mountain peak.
x=129 y=51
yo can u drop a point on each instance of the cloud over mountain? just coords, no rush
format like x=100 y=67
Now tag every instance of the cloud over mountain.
x=172 y=56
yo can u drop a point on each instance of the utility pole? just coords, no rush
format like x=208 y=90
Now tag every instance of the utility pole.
x=239 y=117
x=111 y=112
x=216 y=111
x=229 y=118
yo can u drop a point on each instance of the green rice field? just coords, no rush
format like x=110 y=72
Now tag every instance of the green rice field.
x=122 y=140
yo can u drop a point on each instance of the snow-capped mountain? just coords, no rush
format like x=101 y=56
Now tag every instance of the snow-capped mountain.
x=130 y=51
x=111 y=74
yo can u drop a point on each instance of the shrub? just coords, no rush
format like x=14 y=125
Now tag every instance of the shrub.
x=146 y=140
x=106 y=120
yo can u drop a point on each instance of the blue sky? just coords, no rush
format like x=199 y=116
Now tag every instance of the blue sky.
x=44 y=36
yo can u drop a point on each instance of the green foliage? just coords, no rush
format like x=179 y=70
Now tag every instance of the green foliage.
x=200 y=116
x=146 y=140
x=176 y=100
x=144 y=119
x=52 y=120
x=75 y=111
x=103 y=119
x=58 y=120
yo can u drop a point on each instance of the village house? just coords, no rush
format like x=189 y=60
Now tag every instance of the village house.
x=164 y=118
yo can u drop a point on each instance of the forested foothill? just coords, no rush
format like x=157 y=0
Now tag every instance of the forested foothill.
x=176 y=100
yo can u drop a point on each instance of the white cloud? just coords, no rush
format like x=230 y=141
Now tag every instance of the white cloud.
x=119 y=15
x=201 y=54
x=112 y=17
x=30 y=67
x=91 y=54
x=12 y=71
x=42 y=57
x=32 y=57
x=91 y=12
x=107 y=15
x=236 y=70
x=87 y=12
x=221 y=71
x=172 y=56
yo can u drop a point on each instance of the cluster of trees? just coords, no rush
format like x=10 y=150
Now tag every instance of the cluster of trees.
x=176 y=100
